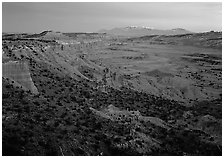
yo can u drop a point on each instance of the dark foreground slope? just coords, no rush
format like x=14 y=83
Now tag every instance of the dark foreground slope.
x=71 y=117
x=59 y=122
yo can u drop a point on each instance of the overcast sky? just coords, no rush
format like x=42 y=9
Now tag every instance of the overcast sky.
x=91 y=17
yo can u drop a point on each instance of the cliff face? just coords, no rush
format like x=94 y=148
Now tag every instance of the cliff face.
x=19 y=72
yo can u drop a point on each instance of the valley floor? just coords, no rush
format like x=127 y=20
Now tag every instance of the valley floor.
x=182 y=73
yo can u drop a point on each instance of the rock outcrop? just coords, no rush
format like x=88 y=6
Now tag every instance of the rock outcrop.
x=136 y=120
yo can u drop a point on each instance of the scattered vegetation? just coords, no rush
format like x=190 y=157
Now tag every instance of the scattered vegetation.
x=59 y=120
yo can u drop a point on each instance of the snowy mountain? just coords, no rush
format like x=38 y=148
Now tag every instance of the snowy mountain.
x=143 y=31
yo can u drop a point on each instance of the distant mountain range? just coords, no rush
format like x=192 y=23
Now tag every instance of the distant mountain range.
x=133 y=31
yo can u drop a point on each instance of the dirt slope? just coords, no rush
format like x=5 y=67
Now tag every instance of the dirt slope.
x=19 y=72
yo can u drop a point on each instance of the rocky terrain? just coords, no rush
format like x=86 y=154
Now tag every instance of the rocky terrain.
x=95 y=94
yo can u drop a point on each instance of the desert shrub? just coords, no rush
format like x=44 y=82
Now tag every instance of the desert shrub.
x=5 y=95
x=36 y=103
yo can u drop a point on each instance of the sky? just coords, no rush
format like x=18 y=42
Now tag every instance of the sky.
x=35 y=17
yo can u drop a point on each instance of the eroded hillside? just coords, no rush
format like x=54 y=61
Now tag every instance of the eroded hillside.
x=101 y=96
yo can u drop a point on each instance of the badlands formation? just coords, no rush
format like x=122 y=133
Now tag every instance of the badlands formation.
x=112 y=94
